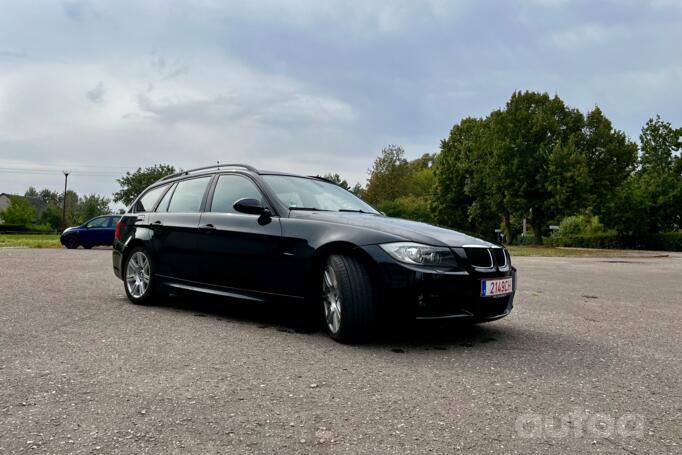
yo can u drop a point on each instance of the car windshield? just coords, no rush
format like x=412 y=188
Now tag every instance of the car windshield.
x=301 y=193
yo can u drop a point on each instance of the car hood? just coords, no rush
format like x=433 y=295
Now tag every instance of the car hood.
x=407 y=230
x=72 y=229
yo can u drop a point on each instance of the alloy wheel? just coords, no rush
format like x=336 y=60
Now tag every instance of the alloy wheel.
x=138 y=274
x=331 y=299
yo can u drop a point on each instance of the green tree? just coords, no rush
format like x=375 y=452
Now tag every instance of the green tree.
x=568 y=180
x=611 y=158
x=387 y=177
x=72 y=217
x=31 y=192
x=520 y=161
x=420 y=179
x=336 y=178
x=650 y=200
x=453 y=171
x=92 y=205
x=524 y=136
x=50 y=197
x=132 y=184
x=660 y=142
x=52 y=215
x=19 y=212
x=358 y=190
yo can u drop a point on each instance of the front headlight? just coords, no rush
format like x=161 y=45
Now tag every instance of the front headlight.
x=418 y=254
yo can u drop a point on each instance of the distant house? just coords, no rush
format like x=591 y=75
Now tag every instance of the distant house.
x=37 y=203
x=4 y=201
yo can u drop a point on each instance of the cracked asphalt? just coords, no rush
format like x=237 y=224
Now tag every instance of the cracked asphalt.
x=588 y=362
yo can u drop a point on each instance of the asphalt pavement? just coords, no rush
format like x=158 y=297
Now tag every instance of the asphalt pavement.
x=588 y=362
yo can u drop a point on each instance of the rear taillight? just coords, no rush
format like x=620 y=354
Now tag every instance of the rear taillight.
x=118 y=230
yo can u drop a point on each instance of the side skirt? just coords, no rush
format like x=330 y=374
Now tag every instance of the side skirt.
x=241 y=294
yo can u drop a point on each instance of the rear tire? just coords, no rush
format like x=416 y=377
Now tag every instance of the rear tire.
x=71 y=243
x=138 y=277
x=347 y=299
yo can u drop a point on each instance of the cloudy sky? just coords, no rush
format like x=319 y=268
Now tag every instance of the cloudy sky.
x=306 y=86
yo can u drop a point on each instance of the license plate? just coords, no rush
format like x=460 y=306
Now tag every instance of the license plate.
x=491 y=288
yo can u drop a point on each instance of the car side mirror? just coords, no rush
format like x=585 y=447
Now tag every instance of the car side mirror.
x=249 y=206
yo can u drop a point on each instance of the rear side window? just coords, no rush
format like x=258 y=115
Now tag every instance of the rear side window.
x=163 y=205
x=188 y=195
x=230 y=189
x=146 y=203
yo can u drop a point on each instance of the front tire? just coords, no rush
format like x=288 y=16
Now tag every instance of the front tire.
x=71 y=243
x=138 y=277
x=347 y=298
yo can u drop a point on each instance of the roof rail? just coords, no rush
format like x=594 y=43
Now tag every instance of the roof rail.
x=324 y=179
x=203 y=168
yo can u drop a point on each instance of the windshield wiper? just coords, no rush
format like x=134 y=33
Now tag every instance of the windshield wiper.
x=310 y=209
x=355 y=211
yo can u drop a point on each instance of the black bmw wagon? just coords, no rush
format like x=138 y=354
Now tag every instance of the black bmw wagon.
x=260 y=236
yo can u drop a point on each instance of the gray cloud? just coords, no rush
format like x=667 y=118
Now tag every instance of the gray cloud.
x=96 y=94
x=79 y=10
x=13 y=55
x=311 y=86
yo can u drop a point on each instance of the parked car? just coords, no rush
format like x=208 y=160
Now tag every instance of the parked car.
x=96 y=231
x=235 y=231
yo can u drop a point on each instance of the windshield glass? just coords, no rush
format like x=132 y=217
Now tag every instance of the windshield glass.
x=300 y=193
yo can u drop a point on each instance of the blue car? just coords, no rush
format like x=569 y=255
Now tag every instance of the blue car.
x=97 y=231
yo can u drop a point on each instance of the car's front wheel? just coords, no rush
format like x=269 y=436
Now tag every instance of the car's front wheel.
x=347 y=298
x=139 y=277
x=71 y=242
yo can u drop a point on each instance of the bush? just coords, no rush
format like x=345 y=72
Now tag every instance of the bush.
x=669 y=241
x=579 y=225
x=601 y=240
x=524 y=240
x=13 y=228
x=43 y=228
x=20 y=211
x=26 y=228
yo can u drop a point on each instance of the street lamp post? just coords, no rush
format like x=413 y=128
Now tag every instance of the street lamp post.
x=66 y=179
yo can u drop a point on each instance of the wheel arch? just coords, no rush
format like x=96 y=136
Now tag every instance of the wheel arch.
x=129 y=247
x=346 y=248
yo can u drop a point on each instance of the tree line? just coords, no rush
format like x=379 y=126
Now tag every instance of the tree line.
x=536 y=160
x=540 y=160
x=42 y=210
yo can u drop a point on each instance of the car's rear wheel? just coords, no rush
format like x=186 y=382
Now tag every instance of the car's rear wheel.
x=347 y=298
x=139 y=277
x=71 y=242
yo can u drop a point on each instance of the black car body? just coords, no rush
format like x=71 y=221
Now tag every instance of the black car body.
x=243 y=233
x=96 y=231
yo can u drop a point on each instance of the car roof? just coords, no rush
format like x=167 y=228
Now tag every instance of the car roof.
x=220 y=168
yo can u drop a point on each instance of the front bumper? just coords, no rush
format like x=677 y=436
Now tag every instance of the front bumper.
x=429 y=294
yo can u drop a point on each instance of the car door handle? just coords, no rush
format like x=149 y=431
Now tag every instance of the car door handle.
x=208 y=226
x=157 y=222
